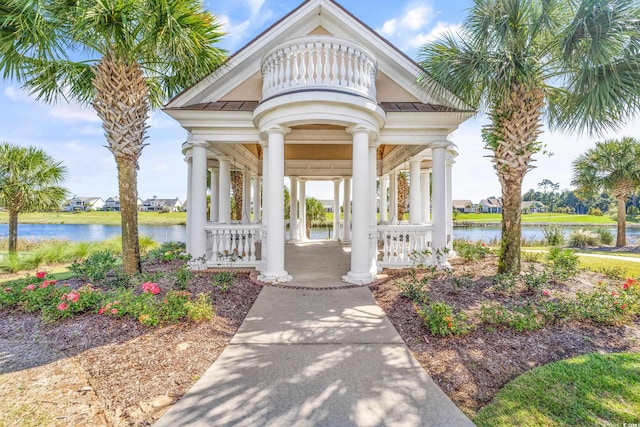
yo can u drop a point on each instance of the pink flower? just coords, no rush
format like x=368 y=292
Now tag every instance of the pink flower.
x=7 y=290
x=114 y=311
x=63 y=306
x=613 y=294
x=545 y=293
x=41 y=274
x=49 y=282
x=623 y=306
x=151 y=288
x=101 y=311
x=73 y=296
x=31 y=287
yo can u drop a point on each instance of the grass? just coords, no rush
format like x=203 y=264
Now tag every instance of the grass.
x=537 y=218
x=594 y=389
x=595 y=264
x=98 y=217
x=25 y=415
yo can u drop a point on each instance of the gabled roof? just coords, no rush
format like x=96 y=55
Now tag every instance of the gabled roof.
x=301 y=21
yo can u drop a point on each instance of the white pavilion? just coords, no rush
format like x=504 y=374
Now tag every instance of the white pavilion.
x=318 y=96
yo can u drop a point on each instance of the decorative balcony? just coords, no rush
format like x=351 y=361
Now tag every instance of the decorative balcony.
x=319 y=63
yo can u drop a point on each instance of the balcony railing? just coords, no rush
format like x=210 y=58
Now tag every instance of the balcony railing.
x=404 y=245
x=319 y=62
x=233 y=245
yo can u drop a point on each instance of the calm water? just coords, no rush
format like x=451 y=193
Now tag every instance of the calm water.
x=169 y=233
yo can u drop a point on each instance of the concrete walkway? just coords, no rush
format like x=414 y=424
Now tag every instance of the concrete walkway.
x=307 y=357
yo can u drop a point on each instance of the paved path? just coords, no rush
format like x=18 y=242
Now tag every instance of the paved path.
x=315 y=358
x=615 y=257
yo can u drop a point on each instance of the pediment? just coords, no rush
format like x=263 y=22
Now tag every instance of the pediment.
x=241 y=79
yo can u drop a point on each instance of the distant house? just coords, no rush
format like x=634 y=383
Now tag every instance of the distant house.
x=491 y=205
x=328 y=205
x=465 y=206
x=84 y=204
x=161 y=205
x=113 y=204
x=533 y=207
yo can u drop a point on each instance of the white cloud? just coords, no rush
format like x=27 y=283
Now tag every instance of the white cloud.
x=439 y=30
x=408 y=29
x=73 y=112
x=236 y=34
x=159 y=120
x=255 y=6
x=75 y=146
x=17 y=94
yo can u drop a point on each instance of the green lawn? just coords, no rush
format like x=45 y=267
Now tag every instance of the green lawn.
x=537 y=217
x=109 y=218
x=590 y=390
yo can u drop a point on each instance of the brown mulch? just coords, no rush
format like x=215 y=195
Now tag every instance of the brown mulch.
x=99 y=370
x=471 y=369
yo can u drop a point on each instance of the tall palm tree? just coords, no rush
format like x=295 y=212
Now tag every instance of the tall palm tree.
x=135 y=55
x=515 y=59
x=237 y=190
x=29 y=180
x=403 y=194
x=611 y=166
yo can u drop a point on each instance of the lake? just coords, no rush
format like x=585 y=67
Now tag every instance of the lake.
x=170 y=233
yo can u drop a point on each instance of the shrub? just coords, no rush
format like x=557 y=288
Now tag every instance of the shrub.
x=563 y=263
x=183 y=276
x=553 y=235
x=441 y=320
x=71 y=303
x=200 y=309
x=173 y=307
x=169 y=252
x=520 y=318
x=582 y=238
x=504 y=282
x=609 y=306
x=594 y=212
x=534 y=280
x=613 y=272
x=413 y=288
x=470 y=251
x=531 y=256
x=223 y=280
x=96 y=266
x=606 y=235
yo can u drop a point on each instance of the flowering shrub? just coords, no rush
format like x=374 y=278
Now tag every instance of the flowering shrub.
x=614 y=307
x=41 y=274
x=441 y=320
x=520 y=318
x=173 y=307
x=151 y=288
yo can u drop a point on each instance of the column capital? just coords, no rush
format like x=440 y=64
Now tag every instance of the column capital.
x=275 y=129
x=441 y=143
x=293 y=177
x=337 y=180
x=197 y=143
x=224 y=158
x=360 y=128
x=416 y=160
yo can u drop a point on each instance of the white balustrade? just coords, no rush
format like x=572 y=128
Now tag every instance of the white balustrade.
x=233 y=245
x=404 y=245
x=319 y=62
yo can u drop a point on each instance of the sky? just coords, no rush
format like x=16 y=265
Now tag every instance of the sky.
x=73 y=134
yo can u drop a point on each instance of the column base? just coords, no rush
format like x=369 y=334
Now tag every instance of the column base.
x=274 y=277
x=359 y=278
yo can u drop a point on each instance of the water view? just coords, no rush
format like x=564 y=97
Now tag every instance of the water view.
x=171 y=233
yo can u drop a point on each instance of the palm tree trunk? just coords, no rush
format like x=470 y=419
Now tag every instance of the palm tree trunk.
x=509 y=260
x=122 y=102
x=621 y=240
x=13 y=232
x=127 y=183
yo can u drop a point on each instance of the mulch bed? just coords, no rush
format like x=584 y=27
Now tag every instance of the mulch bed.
x=135 y=372
x=471 y=369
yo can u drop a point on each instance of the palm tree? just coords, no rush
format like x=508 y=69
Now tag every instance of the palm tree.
x=315 y=213
x=403 y=194
x=29 y=181
x=611 y=166
x=577 y=59
x=141 y=52
x=237 y=190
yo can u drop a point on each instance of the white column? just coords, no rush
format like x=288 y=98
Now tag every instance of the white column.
x=246 y=197
x=293 y=210
x=360 y=261
x=256 y=198
x=439 y=219
x=189 y=159
x=373 y=208
x=224 y=194
x=214 y=192
x=346 y=223
x=384 y=206
x=450 y=163
x=426 y=196
x=198 y=200
x=415 y=195
x=373 y=194
x=274 y=271
x=265 y=185
x=336 y=209
x=303 y=210
x=393 y=198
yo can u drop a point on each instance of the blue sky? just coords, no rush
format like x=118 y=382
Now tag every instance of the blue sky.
x=73 y=135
